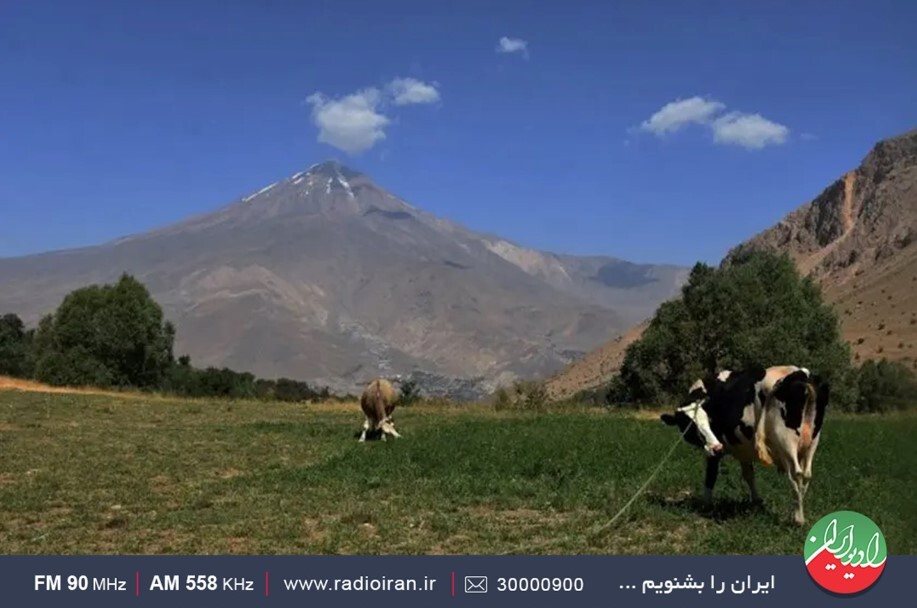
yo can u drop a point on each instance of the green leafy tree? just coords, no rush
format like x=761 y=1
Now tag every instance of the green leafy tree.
x=182 y=379
x=757 y=308
x=409 y=394
x=293 y=391
x=224 y=382
x=886 y=385
x=264 y=389
x=110 y=335
x=15 y=347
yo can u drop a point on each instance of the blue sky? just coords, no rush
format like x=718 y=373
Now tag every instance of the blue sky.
x=653 y=131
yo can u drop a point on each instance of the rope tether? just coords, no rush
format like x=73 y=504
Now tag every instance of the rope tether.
x=600 y=529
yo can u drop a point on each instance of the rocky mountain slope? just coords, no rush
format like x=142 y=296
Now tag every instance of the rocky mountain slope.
x=325 y=276
x=858 y=239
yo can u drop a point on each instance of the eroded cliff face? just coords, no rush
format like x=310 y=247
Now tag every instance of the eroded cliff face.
x=857 y=223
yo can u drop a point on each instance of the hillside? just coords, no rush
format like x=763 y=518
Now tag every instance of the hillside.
x=857 y=239
x=596 y=367
x=326 y=277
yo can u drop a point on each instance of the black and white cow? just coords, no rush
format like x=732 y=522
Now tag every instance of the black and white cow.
x=754 y=414
x=719 y=417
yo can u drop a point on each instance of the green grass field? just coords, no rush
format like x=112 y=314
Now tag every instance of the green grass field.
x=102 y=474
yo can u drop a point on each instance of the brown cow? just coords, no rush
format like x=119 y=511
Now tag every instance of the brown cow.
x=378 y=403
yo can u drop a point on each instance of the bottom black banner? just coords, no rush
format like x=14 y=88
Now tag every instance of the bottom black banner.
x=473 y=581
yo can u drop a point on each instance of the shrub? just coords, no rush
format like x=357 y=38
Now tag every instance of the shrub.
x=524 y=395
x=591 y=397
x=530 y=395
x=15 y=347
x=885 y=386
x=409 y=394
x=502 y=399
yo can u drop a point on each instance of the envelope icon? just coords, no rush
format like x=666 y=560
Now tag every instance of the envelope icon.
x=475 y=584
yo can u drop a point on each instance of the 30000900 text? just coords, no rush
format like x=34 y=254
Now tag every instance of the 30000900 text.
x=539 y=584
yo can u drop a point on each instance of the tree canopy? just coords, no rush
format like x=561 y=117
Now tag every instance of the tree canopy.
x=886 y=385
x=15 y=347
x=754 y=309
x=109 y=335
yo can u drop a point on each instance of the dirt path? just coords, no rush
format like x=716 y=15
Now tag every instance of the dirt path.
x=17 y=384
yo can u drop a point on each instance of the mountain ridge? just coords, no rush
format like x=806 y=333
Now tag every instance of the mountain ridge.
x=327 y=277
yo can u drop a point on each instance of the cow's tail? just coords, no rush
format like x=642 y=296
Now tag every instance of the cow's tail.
x=808 y=418
x=379 y=403
x=761 y=449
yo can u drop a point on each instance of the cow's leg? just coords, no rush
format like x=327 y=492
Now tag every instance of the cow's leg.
x=807 y=459
x=365 y=429
x=748 y=474
x=795 y=474
x=713 y=470
x=799 y=514
x=803 y=480
x=389 y=429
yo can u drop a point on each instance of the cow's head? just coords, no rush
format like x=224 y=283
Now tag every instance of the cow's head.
x=693 y=420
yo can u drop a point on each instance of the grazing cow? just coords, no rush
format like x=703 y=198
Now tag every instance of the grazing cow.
x=719 y=417
x=378 y=404
x=756 y=412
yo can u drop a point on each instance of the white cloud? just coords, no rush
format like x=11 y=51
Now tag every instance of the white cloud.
x=513 y=45
x=751 y=131
x=352 y=123
x=676 y=114
x=406 y=91
x=355 y=123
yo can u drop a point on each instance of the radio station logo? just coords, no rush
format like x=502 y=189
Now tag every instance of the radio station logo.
x=845 y=552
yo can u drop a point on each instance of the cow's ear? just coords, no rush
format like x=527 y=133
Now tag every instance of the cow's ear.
x=711 y=383
x=668 y=419
x=756 y=371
